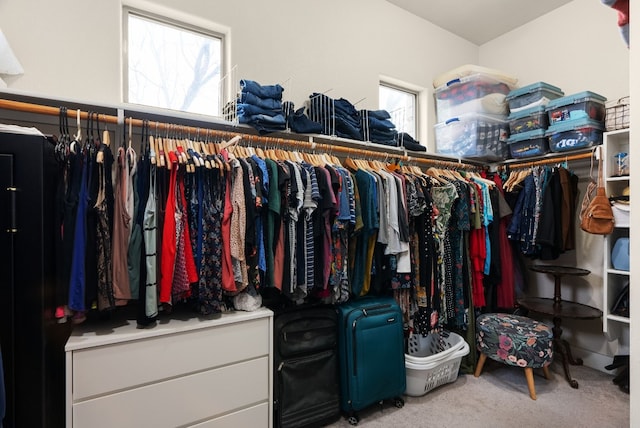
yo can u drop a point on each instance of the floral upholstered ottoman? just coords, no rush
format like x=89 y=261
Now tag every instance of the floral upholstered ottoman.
x=516 y=341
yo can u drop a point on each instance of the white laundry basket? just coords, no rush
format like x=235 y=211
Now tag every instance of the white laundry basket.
x=432 y=361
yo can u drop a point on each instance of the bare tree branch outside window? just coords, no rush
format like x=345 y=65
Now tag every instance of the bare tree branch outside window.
x=172 y=67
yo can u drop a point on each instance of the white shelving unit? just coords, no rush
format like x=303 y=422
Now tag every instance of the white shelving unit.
x=614 y=279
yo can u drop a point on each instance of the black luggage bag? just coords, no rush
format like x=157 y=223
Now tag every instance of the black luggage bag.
x=306 y=371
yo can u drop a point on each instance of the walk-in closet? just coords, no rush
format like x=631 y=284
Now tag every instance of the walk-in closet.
x=332 y=214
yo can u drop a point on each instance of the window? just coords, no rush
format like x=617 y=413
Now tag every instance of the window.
x=401 y=105
x=171 y=65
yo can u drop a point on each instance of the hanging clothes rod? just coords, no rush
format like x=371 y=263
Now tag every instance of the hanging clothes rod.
x=268 y=141
x=559 y=157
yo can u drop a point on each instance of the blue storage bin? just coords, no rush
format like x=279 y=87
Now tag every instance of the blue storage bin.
x=528 y=119
x=527 y=144
x=620 y=254
x=574 y=134
x=536 y=94
x=583 y=105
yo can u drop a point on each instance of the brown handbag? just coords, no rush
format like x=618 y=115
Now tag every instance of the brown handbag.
x=596 y=216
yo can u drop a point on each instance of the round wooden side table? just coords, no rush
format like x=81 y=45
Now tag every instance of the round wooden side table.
x=558 y=308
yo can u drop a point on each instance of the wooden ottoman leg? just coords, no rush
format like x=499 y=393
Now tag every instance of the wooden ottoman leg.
x=545 y=370
x=481 y=361
x=528 y=372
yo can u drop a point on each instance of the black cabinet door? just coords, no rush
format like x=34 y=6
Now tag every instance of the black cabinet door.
x=7 y=335
x=31 y=340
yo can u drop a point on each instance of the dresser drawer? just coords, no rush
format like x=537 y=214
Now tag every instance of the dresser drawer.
x=116 y=367
x=183 y=401
x=254 y=417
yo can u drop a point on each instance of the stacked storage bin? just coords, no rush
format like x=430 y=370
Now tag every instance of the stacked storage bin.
x=528 y=120
x=575 y=121
x=471 y=110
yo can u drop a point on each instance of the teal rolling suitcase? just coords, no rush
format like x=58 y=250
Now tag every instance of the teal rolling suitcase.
x=371 y=350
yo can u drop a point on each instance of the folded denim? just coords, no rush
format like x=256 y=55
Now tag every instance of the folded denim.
x=323 y=105
x=346 y=129
x=380 y=124
x=345 y=108
x=251 y=110
x=386 y=138
x=278 y=119
x=288 y=108
x=378 y=114
x=264 y=127
x=382 y=135
x=408 y=142
x=266 y=103
x=300 y=123
x=262 y=91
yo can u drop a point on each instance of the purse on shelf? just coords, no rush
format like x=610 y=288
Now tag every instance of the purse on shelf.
x=621 y=305
x=596 y=214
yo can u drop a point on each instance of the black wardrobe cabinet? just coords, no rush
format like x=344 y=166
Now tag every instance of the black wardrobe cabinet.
x=32 y=343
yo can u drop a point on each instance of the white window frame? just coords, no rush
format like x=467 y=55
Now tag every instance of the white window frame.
x=416 y=96
x=182 y=21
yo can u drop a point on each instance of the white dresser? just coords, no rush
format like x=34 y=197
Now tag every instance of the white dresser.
x=200 y=373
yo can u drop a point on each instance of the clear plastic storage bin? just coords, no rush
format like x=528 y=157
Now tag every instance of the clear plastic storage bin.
x=477 y=93
x=473 y=136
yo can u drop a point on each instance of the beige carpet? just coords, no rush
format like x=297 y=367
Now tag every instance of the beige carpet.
x=500 y=398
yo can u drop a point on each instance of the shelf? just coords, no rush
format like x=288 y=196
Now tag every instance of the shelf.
x=618 y=318
x=622 y=178
x=617 y=132
x=618 y=272
x=613 y=280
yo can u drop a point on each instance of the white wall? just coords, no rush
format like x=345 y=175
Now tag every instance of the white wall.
x=577 y=47
x=71 y=49
x=340 y=45
x=634 y=152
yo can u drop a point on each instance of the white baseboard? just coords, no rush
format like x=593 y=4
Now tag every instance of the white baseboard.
x=592 y=359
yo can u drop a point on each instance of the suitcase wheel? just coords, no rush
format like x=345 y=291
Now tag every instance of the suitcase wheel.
x=398 y=402
x=353 y=419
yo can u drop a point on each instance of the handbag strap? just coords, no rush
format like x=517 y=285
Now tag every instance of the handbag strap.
x=600 y=179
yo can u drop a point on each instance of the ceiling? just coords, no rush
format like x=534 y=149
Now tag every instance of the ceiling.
x=479 y=21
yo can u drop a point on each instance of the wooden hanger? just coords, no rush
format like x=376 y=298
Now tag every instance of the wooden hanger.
x=229 y=145
x=433 y=172
x=351 y=164
x=154 y=150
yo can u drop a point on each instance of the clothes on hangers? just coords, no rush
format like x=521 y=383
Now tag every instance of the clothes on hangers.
x=280 y=225
x=544 y=213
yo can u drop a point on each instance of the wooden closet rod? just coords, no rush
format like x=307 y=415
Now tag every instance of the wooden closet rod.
x=262 y=140
x=555 y=159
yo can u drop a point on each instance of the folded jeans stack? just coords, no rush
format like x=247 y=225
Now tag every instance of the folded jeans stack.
x=378 y=128
x=298 y=122
x=261 y=106
x=337 y=117
x=408 y=142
